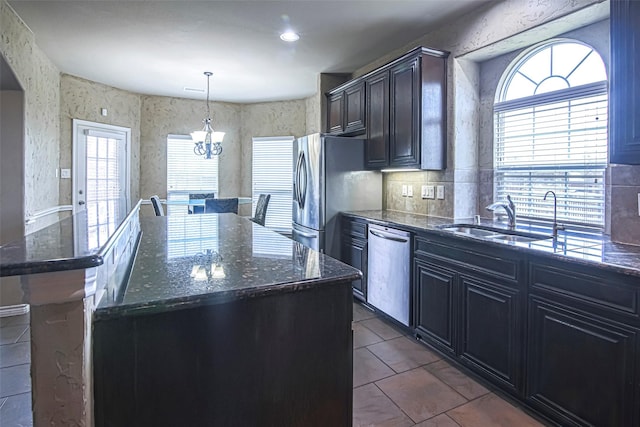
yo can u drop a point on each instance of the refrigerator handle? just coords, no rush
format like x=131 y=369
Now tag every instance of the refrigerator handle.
x=302 y=180
x=296 y=181
x=307 y=235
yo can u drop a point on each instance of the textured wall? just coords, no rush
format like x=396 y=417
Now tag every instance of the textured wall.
x=83 y=99
x=40 y=80
x=161 y=116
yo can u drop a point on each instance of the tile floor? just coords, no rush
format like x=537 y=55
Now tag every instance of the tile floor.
x=397 y=382
x=15 y=381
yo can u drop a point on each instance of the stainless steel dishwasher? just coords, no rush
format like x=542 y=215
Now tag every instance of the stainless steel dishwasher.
x=388 y=271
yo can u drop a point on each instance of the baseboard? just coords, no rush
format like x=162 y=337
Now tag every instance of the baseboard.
x=14 y=310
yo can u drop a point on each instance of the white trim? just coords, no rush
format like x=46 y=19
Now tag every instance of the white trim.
x=92 y=127
x=14 y=310
x=40 y=214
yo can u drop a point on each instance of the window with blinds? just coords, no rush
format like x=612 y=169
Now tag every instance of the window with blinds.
x=272 y=173
x=550 y=133
x=187 y=172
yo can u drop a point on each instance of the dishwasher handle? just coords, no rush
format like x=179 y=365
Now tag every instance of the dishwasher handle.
x=387 y=237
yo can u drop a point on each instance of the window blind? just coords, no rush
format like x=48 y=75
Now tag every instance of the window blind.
x=187 y=172
x=555 y=141
x=272 y=173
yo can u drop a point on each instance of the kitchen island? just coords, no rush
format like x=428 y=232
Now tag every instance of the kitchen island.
x=223 y=322
x=183 y=320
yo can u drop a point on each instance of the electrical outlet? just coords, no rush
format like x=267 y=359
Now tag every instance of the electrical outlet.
x=65 y=173
x=431 y=193
x=440 y=192
x=404 y=190
x=410 y=190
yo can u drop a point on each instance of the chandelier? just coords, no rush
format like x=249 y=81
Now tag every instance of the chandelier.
x=207 y=141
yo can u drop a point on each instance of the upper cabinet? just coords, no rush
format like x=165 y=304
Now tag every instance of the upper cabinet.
x=346 y=109
x=624 y=86
x=401 y=107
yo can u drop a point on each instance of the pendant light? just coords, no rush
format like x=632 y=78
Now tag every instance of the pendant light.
x=207 y=141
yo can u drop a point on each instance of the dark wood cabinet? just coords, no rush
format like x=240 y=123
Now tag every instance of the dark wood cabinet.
x=490 y=331
x=377 y=146
x=335 y=119
x=346 y=109
x=582 y=369
x=404 y=113
x=435 y=303
x=407 y=112
x=353 y=251
x=624 y=85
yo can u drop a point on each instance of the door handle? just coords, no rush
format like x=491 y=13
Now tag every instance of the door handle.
x=384 y=236
x=308 y=235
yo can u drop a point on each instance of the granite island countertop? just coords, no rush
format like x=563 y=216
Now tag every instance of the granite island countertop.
x=587 y=248
x=76 y=242
x=191 y=260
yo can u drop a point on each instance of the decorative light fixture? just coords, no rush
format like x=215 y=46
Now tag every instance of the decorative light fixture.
x=207 y=141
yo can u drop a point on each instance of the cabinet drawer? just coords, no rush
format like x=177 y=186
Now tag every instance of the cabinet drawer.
x=493 y=262
x=600 y=290
x=354 y=228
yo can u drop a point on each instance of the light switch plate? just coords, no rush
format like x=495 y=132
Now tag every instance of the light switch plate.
x=423 y=191
x=431 y=192
x=410 y=190
x=440 y=192
x=404 y=190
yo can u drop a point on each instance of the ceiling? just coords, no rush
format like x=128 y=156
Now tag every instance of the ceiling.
x=162 y=47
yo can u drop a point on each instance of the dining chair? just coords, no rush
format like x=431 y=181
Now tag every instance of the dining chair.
x=157 y=206
x=221 y=205
x=260 y=214
x=199 y=196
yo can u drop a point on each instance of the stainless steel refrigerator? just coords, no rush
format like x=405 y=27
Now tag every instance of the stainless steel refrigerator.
x=329 y=177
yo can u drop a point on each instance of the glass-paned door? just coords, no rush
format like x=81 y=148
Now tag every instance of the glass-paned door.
x=101 y=178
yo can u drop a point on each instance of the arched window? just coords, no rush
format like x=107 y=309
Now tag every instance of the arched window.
x=551 y=133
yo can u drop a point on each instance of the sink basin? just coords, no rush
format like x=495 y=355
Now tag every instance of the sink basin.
x=495 y=234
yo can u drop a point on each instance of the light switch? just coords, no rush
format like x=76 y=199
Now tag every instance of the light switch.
x=431 y=192
x=440 y=192
x=404 y=190
x=423 y=192
x=410 y=190
x=65 y=173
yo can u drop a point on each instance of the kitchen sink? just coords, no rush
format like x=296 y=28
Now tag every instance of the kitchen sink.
x=494 y=234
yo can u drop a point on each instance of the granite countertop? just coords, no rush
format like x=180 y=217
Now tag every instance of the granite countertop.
x=594 y=249
x=173 y=265
x=76 y=242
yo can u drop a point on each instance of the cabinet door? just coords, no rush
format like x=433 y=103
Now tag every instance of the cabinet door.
x=354 y=105
x=354 y=253
x=404 y=115
x=377 y=146
x=624 y=86
x=335 y=119
x=490 y=330
x=580 y=367
x=435 y=298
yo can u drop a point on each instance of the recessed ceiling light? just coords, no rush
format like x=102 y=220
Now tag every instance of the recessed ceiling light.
x=289 y=36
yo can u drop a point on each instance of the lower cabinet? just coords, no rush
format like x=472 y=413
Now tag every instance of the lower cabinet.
x=561 y=337
x=354 y=253
x=581 y=368
x=435 y=304
x=490 y=331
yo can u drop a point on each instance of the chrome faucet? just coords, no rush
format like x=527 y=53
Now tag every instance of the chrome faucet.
x=556 y=227
x=510 y=207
